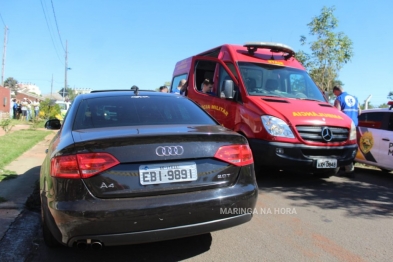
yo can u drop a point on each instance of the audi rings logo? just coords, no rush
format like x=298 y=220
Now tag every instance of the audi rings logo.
x=169 y=150
x=327 y=134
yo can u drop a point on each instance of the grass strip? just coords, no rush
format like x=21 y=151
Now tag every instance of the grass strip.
x=7 y=175
x=14 y=144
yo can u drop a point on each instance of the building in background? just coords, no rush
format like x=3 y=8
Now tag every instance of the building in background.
x=29 y=88
x=5 y=101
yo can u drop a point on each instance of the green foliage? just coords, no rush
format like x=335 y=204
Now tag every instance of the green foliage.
x=390 y=95
x=13 y=145
x=7 y=175
x=68 y=93
x=370 y=106
x=11 y=83
x=38 y=123
x=329 y=51
x=6 y=125
x=48 y=109
x=384 y=105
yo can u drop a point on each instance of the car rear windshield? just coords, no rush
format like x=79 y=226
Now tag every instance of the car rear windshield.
x=138 y=110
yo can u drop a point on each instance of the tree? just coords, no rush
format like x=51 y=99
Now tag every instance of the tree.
x=11 y=83
x=384 y=105
x=68 y=93
x=49 y=109
x=329 y=51
x=390 y=95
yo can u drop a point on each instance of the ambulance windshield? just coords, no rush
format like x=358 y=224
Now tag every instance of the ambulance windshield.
x=270 y=80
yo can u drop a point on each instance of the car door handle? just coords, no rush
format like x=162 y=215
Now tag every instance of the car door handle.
x=385 y=139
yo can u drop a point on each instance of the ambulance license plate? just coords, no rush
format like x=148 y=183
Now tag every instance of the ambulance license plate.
x=326 y=163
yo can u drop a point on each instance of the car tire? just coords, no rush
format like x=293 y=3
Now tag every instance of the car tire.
x=49 y=239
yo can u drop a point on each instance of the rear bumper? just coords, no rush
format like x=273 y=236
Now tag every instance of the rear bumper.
x=299 y=156
x=122 y=221
x=166 y=233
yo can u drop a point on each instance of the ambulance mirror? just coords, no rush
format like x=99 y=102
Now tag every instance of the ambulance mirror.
x=228 y=88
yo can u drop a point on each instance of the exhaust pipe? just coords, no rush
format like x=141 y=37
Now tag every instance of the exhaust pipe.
x=81 y=244
x=96 y=245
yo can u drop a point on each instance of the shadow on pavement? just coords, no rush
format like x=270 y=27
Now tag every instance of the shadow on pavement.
x=368 y=193
x=172 y=250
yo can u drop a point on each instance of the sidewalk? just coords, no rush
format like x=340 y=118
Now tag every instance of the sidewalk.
x=16 y=128
x=17 y=190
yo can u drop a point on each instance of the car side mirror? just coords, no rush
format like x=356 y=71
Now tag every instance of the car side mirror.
x=228 y=89
x=53 y=124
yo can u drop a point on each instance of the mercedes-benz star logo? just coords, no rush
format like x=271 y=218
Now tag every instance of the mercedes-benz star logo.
x=169 y=150
x=327 y=134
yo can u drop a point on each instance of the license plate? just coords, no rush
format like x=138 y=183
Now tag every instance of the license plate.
x=167 y=173
x=326 y=163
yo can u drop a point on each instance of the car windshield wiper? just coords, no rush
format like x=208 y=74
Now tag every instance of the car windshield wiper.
x=308 y=99
x=270 y=95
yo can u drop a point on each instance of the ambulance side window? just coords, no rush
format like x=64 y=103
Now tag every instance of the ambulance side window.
x=203 y=70
x=176 y=81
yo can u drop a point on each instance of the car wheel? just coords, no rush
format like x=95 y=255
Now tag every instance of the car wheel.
x=49 y=239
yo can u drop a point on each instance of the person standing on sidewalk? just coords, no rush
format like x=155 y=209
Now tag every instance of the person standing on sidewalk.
x=28 y=112
x=36 y=105
x=349 y=105
x=24 y=108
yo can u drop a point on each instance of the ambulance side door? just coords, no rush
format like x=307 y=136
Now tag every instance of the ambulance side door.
x=206 y=68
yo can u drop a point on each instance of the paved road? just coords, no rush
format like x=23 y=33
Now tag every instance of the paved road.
x=296 y=219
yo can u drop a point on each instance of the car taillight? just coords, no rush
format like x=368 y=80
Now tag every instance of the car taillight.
x=81 y=165
x=238 y=155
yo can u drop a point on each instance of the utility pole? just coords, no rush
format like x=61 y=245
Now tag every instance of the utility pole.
x=51 y=88
x=4 y=52
x=66 y=69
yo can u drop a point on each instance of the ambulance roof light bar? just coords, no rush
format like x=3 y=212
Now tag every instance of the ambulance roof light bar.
x=274 y=47
x=390 y=103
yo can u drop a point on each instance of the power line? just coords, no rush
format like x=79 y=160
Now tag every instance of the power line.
x=50 y=33
x=58 y=32
x=2 y=19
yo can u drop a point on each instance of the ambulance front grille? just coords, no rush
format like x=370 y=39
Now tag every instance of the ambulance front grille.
x=314 y=133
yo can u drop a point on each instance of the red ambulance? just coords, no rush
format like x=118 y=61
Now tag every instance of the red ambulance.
x=261 y=91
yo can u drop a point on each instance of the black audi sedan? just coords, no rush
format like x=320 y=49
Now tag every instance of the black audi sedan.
x=130 y=166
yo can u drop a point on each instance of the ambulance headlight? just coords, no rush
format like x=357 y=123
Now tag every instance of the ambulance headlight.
x=276 y=127
x=352 y=133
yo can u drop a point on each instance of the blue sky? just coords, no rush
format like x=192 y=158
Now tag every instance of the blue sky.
x=120 y=43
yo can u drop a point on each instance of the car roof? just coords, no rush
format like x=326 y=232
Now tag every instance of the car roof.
x=376 y=110
x=126 y=92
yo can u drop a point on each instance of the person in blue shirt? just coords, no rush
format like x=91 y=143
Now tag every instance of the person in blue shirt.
x=350 y=106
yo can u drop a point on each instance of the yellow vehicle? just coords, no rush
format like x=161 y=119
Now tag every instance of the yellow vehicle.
x=64 y=106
